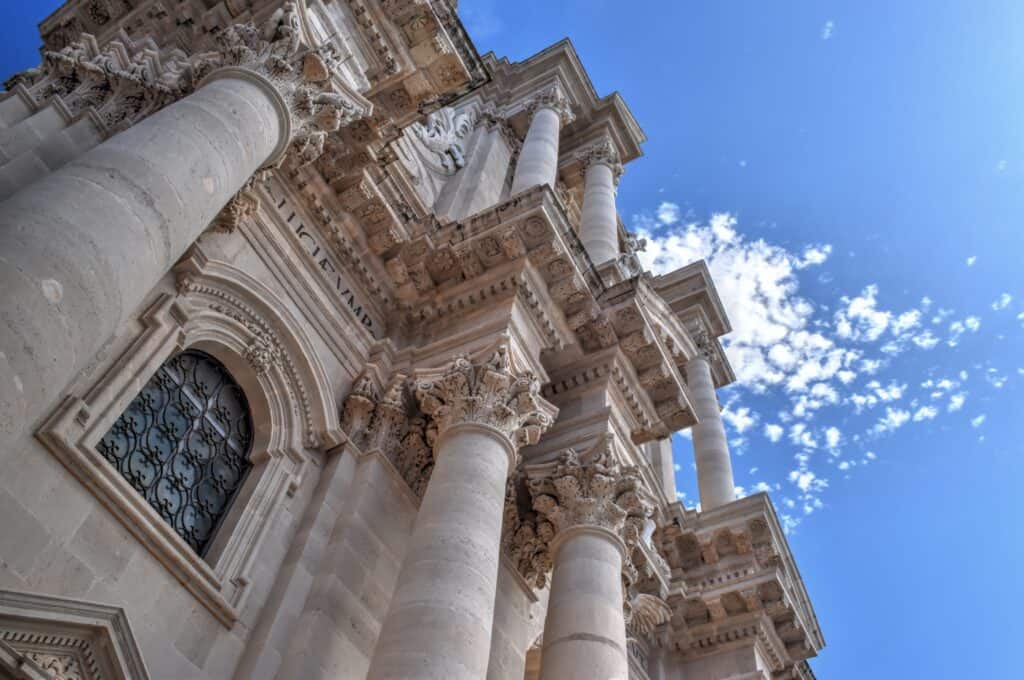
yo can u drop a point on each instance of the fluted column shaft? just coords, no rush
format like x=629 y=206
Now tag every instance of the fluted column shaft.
x=599 y=224
x=585 y=629
x=710 y=447
x=81 y=247
x=438 y=624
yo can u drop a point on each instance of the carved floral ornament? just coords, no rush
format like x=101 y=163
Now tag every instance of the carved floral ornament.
x=488 y=392
x=125 y=87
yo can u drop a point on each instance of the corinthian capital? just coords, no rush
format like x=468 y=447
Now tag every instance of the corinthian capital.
x=486 y=392
x=591 y=490
x=602 y=152
x=277 y=51
x=553 y=99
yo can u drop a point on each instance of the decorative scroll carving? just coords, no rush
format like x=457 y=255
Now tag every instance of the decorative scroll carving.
x=443 y=136
x=644 y=613
x=553 y=99
x=488 y=392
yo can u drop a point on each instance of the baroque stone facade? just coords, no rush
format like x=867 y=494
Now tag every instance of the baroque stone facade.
x=326 y=355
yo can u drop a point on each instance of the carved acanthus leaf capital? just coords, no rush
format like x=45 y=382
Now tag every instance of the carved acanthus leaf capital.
x=591 y=490
x=553 y=99
x=604 y=153
x=487 y=392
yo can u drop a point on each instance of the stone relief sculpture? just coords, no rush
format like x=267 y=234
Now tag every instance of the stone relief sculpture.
x=443 y=135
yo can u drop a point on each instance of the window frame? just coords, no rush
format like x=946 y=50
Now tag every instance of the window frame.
x=220 y=579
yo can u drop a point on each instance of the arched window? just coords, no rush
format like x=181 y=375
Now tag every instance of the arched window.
x=184 y=442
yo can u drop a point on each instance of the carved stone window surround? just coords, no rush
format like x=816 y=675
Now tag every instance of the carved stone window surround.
x=283 y=428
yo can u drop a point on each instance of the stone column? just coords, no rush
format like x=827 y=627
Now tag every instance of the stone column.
x=538 y=159
x=599 y=224
x=82 y=247
x=592 y=502
x=438 y=625
x=710 y=448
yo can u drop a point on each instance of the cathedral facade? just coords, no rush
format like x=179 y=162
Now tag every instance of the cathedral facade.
x=326 y=355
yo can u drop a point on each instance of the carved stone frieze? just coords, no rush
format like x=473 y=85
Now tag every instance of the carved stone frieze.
x=487 y=391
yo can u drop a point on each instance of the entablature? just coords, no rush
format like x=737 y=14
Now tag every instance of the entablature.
x=732 y=571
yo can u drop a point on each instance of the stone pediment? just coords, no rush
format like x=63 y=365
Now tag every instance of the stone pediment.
x=55 y=638
x=733 y=577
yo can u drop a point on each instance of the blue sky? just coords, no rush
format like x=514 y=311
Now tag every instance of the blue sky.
x=853 y=173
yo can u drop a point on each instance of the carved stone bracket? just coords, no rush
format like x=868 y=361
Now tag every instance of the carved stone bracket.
x=486 y=391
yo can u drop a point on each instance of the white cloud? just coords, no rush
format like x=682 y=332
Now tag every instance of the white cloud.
x=814 y=255
x=772 y=342
x=773 y=432
x=828 y=29
x=668 y=213
x=978 y=421
x=1002 y=302
x=925 y=413
x=893 y=420
x=972 y=323
x=741 y=419
x=971 y=260
x=925 y=340
x=832 y=438
x=860 y=319
x=956 y=402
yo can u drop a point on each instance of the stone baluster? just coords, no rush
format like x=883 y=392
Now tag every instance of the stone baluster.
x=593 y=503
x=538 y=159
x=84 y=245
x=438 y=624
x=710 y=446
x=599 y=226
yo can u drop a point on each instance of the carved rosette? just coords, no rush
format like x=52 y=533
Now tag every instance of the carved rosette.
x=556 y=101
x=487 y=392
x=591 y=490
x=604 y=153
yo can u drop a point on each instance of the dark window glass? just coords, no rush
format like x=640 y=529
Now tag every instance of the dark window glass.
x=183 y=443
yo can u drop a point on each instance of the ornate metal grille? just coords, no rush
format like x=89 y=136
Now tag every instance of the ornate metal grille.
x=183 y=443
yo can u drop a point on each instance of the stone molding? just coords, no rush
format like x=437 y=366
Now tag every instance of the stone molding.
x=485 y=390
x=53 y=638
x=551 y=98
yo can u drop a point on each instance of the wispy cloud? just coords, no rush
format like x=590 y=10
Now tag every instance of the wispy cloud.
x=828 y=29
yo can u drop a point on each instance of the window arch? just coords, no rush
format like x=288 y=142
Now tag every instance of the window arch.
x=183 y=443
